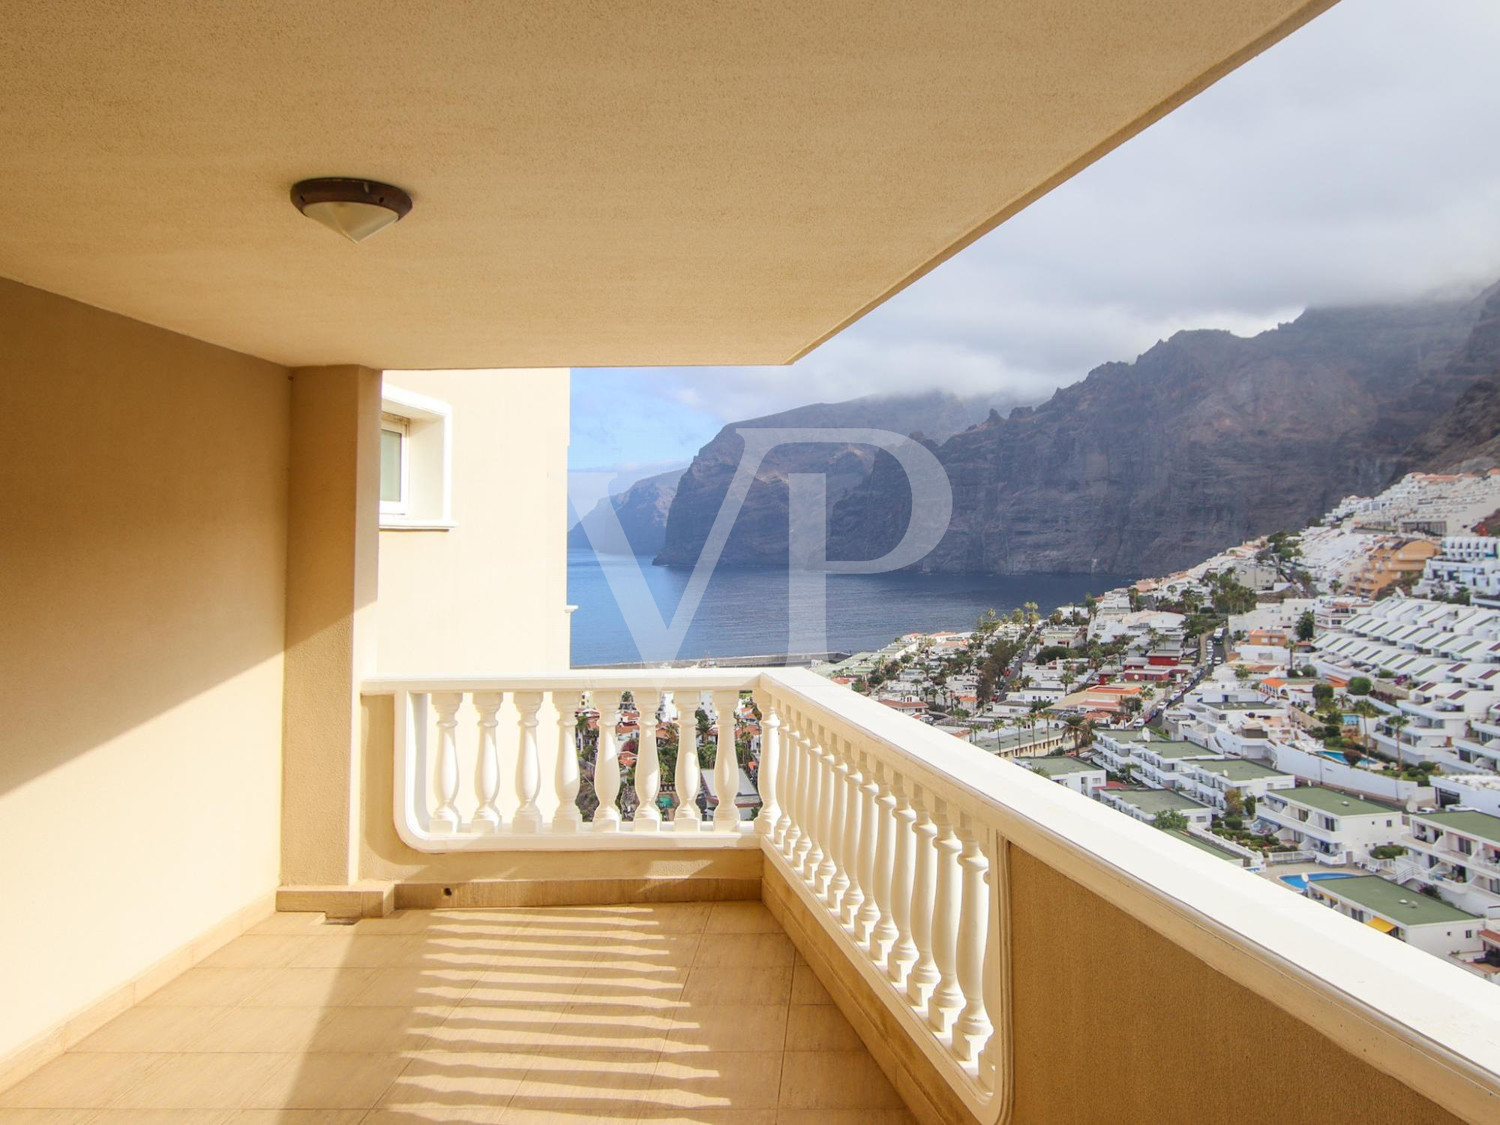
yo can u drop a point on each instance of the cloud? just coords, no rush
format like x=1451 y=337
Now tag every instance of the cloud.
x=1354 y=162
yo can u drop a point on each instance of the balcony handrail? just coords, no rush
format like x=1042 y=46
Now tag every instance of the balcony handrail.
x=1399 y=1008
x=935 y=826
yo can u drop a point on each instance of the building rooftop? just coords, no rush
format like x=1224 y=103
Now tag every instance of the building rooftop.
x=1153 y=801
x=1236 y=769
x=1393 y=900
x=1332 y=801
x=1205 y=846
x=1482 y=825
x=1178 y=750
x=1057 y=765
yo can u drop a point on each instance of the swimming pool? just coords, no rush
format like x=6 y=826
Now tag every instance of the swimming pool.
x=1299 y=882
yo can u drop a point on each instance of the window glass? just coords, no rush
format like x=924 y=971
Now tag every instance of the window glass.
x=391 y=442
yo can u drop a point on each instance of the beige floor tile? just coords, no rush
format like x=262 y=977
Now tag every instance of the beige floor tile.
x=260 y=1031
x=743 y=1027
x=604 y=1026
x=785 y=1116
x=401 y=922
x=741 y=918
x=154 y=1030
x=525 y=1113
x=303 y=922
x=593 y=1084
x=435 y=1115
x=201 y=1081
x=308 y=988
x=806 y=988
x=79 y=1081
x=718 y=1080
x=295 y=1117
x=159 y=1117
x=834 y=1080
x=454 y=1079
x=352 y=950
x=208 y=988
x=376 y=1030
x=747 y=950
x=669 y=1115
x=256 y=951
x=740 y=984
x=329 y=1081
x=495 y=1027
x=411 y=988
x=820 y=1027
x=46 y=1116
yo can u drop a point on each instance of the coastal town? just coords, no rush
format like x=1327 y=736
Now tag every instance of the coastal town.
x=1318 y=707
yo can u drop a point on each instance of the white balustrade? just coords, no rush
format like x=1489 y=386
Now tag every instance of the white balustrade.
x=895 y=857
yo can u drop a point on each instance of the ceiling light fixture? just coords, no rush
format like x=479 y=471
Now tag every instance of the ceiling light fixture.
x=354 y=208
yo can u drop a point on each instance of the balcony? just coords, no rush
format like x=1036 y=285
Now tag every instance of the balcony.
x=921 y=887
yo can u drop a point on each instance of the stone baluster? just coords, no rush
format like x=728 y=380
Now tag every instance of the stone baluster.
x=827 y=802
x=607 y=767
x=446 y=704
x=923 y=977
x=528 y=763
x=947 y=997
x=903 y=952
x=991 y=1056
x=838 y=880
x=726 y=762
x=883 y=933
x=687 y=818
x=854 y=797
x=972 y=1028
x=487 y=764
x=647 y=764
x=766 y=779
x=567 y=818
x=792 y=788
x=809 y=851
x=869 y=841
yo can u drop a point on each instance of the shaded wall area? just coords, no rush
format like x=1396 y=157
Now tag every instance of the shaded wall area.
x=1113 y=1022
x=143 y=570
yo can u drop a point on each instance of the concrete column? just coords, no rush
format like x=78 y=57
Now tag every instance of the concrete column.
x=333 y=514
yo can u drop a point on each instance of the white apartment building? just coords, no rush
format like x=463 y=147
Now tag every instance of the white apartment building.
x=1458 y=852
x=1147 y=804
x=1411 y=917
x=1210 y=782
x=1446 y=723
x=1162 y=764
x=1471 y=790
x=1467 y=562
x=1073 y=773
x=1337 y=827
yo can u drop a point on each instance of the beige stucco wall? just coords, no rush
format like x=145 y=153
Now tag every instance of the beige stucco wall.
x=332 y=541
x=490 y=594
x=142 y=566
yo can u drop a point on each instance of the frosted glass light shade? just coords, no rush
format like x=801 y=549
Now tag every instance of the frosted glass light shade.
x=354 y=208
x=355 y=221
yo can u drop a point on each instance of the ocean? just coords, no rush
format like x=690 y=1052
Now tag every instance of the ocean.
x=744 y=610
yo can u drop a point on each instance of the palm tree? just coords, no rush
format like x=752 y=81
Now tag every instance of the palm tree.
x=1074 y=723
x=1366 y=711
x=1398 y=723
x=1034 y=711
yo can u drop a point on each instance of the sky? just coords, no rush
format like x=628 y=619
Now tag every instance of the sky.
x=1356 y=161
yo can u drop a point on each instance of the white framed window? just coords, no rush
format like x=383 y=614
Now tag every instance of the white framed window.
x=416 y=461
x=395 y=465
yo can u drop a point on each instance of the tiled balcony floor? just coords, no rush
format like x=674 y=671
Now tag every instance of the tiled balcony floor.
x=690 y=1012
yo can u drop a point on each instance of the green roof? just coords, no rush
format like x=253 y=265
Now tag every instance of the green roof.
x=1179 y=750
x=1237 y=769
x=1212 y=849
x=1333 y=802
x=1153 y=801
x=1393 y=901
x=1057 y=765
x=1482 y=825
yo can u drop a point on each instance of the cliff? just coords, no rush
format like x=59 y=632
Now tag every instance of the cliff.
x=642 y=512
x=1467 y=436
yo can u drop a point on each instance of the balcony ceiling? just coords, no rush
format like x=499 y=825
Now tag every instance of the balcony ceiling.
x=595 y=184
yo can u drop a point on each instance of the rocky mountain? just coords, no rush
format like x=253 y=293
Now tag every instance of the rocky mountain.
x=759 y=537
x=1205 y=440
x=642 y=512
x=1467 y=437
